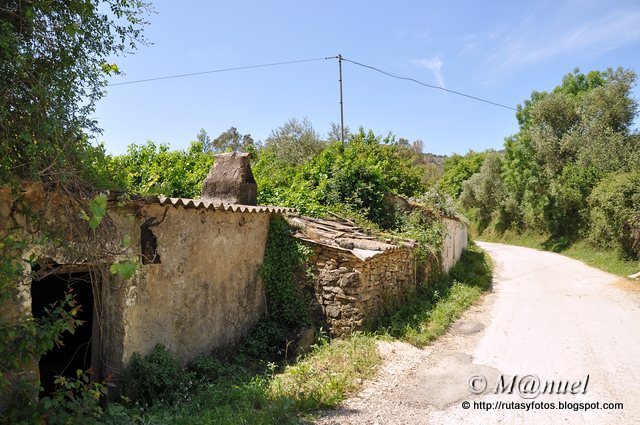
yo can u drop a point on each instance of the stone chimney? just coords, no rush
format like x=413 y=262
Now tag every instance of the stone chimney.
x=230 y=180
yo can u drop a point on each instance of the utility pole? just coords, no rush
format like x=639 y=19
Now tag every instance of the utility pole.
x=341 y=104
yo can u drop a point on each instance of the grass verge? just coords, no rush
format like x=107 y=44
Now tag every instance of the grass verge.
x=250 y=392
x=439 y=304
x=608 y=260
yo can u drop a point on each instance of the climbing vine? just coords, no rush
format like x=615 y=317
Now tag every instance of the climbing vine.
x=286 y=273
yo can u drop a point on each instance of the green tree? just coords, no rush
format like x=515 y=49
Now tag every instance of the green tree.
x=615 y=213
x=569 y=139
x=230 y=141
x=53 y=68
x=294 y=142
x=484 y=191
x=358 y=180
x=54 y=62
x=335 y=133
x=458 y=169
x=204 y=139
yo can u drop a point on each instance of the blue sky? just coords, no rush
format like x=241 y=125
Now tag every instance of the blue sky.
x=500 y=50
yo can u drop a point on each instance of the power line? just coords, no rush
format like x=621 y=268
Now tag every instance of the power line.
x=264 y=65
x=428 y=85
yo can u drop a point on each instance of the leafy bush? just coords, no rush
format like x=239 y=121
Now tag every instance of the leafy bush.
x=484 y=192
x=206 y=368
x=359 y=179
x=615 y=213
x=156 y=378
x=154 y=169
x=75 y=400
x=285 y=272
x=458 y=169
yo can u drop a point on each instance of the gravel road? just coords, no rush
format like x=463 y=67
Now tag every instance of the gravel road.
x=548 y=316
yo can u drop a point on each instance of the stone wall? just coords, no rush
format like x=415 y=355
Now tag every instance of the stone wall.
x=360 y=278
x=354 y=292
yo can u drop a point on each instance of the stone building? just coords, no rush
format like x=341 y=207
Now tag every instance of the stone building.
x=196 y=287
x=359 y=278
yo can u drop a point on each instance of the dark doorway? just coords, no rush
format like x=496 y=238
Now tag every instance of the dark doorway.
x=76 y=352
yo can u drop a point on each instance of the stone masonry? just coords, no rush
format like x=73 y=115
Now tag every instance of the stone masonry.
x=354 y=292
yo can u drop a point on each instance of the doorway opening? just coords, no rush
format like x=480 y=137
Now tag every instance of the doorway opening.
x=75 y=353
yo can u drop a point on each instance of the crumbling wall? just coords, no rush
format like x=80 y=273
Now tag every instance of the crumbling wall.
x=454 y=243
x=354 y=292
x=42 y=220
x=200 y=291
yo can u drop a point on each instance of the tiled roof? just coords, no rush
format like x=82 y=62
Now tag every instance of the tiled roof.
x=343 y=235
x=207 y=205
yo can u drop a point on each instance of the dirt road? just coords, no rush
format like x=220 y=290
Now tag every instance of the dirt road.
x=548 y=316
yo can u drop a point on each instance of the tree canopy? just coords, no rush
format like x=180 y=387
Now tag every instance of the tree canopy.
x=53 y=68
x=575 y=145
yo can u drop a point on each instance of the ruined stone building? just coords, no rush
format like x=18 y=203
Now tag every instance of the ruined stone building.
x=196 y=287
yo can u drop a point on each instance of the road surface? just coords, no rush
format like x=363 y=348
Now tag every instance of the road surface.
x=550 y=320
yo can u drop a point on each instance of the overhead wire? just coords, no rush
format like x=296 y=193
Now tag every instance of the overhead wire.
x=213 y=71
x=428 y=85
x=264 y=65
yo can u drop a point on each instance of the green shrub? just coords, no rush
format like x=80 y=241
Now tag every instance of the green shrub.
x=75 y=400
x=358 y=179
x=285 y=271
x=615 y=213
x=206 y=368
x=156 y=378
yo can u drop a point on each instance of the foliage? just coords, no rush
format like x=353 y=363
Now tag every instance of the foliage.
x=228 y=141
x=570 y=139
x=615 y=213
x=285 y=272
x=26 y=339
x=426 y=228
x=294 y=142
x=457 y=169
x=246 y=391
x=335 y=133
x=53 y=69
x=156 y=378
x=357 y=179
x=76 y=400
x=154 y=169
x=525 y=185
x=325 y=378
x=483 y=191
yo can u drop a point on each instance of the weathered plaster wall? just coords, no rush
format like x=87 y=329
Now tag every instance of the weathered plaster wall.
x=202 y=296
x=205 y=294
x=354 y=292
x=454 y=243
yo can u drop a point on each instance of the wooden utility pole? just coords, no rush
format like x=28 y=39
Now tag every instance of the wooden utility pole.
x=341 y=104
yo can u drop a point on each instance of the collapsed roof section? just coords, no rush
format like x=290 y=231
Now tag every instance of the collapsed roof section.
x=343 y=235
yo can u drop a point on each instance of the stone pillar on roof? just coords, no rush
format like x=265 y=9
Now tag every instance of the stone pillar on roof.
x=230 y=180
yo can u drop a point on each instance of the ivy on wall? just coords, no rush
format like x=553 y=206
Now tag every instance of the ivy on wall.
x=286 y=273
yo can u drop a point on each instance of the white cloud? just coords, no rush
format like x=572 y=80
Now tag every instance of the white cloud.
x=598 y=36
x=434 y=65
